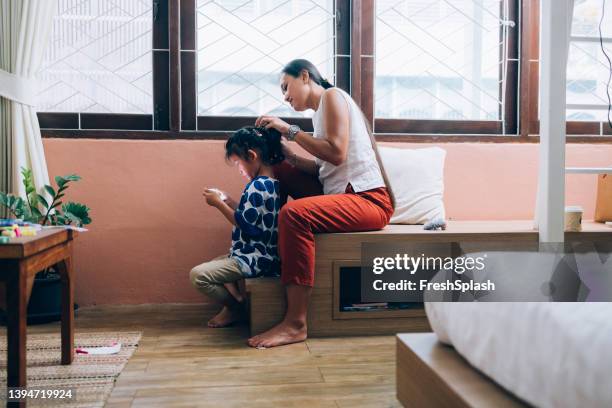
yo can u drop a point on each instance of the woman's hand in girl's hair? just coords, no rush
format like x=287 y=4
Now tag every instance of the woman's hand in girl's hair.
x=273 y=122
x=213 y=198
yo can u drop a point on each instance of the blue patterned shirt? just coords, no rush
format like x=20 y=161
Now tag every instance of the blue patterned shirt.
x=255 y=235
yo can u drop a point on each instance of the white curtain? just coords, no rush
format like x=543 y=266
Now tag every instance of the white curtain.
x=24 y=33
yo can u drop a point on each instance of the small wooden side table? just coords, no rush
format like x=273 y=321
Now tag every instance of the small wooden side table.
x=20 y=261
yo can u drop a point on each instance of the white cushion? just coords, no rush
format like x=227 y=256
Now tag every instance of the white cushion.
x=417 y=180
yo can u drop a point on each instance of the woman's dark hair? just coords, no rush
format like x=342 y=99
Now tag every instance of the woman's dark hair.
x=266 y=141
x=295 y=68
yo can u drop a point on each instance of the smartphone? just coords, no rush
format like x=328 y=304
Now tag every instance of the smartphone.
x=221 y=194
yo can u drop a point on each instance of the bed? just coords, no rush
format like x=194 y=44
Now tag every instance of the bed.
x=547 y=354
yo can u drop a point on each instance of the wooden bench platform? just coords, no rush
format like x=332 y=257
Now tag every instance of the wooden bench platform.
x=333 y=251
x=432 y=374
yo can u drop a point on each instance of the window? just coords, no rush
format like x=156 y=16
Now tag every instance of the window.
x=243 y=45
x=442 y=60
x=420 y=70
x=99 y=58
x=587 y=68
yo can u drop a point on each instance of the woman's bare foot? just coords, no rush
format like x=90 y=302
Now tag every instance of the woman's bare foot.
x=281 y=334
x=225 y=317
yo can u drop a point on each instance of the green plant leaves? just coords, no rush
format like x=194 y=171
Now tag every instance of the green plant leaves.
x=63 y=180
x=77 y=213
x=27 y=180
x=50 y=190
x=15 y=205
x=36 y=214
x=42 y=200
x=30 y=209
x=30 y=189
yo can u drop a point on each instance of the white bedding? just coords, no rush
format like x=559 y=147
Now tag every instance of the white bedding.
x=548 y=354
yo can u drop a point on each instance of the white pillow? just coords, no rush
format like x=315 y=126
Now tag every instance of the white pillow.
x=417 y=180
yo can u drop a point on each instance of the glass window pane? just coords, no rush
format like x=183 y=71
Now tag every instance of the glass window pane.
x=98 y=58
x=243 y=45
x=587 y=14
x=588 y=69
x=438 y=59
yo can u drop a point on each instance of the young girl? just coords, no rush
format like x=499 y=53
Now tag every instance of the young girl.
x=255 y=219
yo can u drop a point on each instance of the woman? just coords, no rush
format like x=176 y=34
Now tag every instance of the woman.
x=342 y=190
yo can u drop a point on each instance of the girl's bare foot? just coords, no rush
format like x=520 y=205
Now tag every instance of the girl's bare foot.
x=225 y=317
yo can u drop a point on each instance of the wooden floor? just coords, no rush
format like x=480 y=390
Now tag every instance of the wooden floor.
x=181 y=363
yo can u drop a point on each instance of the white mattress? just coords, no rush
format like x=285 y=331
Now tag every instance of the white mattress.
x=548 y=354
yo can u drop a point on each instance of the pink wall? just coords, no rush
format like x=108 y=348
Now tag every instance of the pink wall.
x=151 y=224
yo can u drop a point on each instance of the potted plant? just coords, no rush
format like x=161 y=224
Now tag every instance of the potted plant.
x=45 y=301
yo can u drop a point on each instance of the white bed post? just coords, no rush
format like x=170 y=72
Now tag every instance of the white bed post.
x=555 y=30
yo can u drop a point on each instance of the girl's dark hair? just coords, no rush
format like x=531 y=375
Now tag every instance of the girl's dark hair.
x=266 y=141
x=295 y=68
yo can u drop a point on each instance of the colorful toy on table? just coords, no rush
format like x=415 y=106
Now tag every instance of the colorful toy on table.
x=9 y=232
x=16 y=231
x=27 y=231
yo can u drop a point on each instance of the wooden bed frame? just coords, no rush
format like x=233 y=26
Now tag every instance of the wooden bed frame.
x=333 y=251
x=432 y=374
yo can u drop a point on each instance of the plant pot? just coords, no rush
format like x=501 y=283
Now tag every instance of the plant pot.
x=45 y=303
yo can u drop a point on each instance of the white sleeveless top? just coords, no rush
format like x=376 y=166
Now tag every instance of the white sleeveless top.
x=360 y=168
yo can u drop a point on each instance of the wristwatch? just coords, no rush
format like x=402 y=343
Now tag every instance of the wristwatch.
x=293 y=131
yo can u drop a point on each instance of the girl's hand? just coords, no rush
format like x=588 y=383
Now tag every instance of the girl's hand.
x=231 y=202
x=213 y=198
x=273 y=122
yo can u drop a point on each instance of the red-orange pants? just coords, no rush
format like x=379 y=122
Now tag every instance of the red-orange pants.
x=311 y=212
